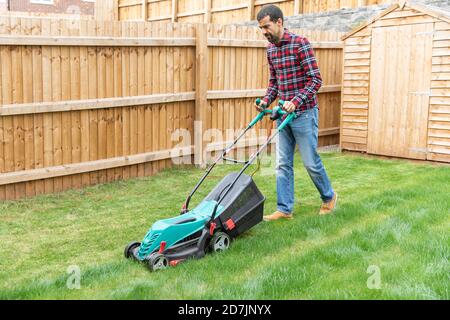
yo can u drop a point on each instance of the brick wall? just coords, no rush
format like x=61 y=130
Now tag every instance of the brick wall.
x=55 y=6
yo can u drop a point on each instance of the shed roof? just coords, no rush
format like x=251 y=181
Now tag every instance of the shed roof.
x=429 y=10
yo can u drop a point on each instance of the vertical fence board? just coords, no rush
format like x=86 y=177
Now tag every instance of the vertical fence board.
x=92 y=93
x=66 y=121
x=141 y=90
x=133 y=92
x=156 y=67
x=101 y=93
x=163 y=88
x=17 y=97
x=8 y=129
x=75 y=117
x=148 y=70
x=55 y=30
x=27 y=60
x=126 y=92
x=84 y=114
x=47 y=96
x=170 y=78
x=110 y=113
x=118 y=112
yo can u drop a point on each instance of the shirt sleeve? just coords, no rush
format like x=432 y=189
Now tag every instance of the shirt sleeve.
x=309 y=65
x=272 y=89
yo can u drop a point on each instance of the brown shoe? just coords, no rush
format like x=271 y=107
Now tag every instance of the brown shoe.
x=277 y=215
x=328 y=207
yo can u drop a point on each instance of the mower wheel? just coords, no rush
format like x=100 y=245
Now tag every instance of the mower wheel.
x=220 y=241
x=128 y=252
x=157 y=261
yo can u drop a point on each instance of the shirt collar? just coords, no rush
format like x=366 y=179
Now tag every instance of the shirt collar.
x=285 y=39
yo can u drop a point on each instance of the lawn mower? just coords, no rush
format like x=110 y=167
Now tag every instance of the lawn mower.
x=234 y=206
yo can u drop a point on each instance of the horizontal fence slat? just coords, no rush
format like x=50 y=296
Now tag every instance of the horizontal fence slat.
x=191 y=13
x=95 y=41
x=251 y=142
x=92 y=104
x=230 y=94
x=327 y=44
x=144 y=42
x=230 y=8
x=89 y=166
x=330 y=88
x=218 y=42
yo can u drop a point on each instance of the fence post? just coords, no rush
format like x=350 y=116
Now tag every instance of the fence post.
x=144 y=10
x=251 y=10
x=174 y=10
x=201 y=87
x=207 y=17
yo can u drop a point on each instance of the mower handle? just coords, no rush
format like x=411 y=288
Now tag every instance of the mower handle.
x=277 y=110
x=290 y=116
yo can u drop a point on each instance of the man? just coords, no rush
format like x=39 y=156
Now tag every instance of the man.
x=295 y=78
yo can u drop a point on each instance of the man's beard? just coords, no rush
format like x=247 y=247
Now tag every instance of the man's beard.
x=272 y=39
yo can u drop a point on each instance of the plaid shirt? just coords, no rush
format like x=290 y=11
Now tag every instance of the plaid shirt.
x=294 y=74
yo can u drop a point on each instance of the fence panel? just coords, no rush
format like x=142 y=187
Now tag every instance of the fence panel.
x=218 y=11
x=86 y=102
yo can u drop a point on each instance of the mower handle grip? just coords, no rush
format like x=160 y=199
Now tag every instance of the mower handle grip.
x=260 y=115
x=274 y=114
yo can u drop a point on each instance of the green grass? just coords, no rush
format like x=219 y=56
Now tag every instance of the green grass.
x=393 y=214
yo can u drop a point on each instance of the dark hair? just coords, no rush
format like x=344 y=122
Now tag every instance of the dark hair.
x=272 y=11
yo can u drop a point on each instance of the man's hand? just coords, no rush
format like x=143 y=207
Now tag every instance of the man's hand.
x=288 y=106
x=262 y=105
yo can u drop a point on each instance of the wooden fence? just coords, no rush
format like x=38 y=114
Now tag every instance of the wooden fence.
x=216 y=11
x=86 y=102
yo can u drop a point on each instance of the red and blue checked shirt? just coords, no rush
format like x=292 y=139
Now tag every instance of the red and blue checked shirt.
x=294 y=74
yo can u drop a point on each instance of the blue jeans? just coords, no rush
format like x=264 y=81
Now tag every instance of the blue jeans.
x=302 y=131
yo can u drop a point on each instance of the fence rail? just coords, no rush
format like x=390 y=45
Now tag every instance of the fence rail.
x=85 y=102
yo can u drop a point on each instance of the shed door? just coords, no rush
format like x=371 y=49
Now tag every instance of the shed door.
x=400 y=74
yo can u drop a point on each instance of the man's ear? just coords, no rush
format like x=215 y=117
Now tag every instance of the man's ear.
x=280 y=22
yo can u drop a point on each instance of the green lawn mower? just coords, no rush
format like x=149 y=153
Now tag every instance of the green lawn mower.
x=234 y=206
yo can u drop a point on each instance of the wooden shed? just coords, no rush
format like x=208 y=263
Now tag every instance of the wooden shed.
x=396 y=84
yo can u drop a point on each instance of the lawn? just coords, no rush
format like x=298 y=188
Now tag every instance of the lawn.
x=392 y=224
